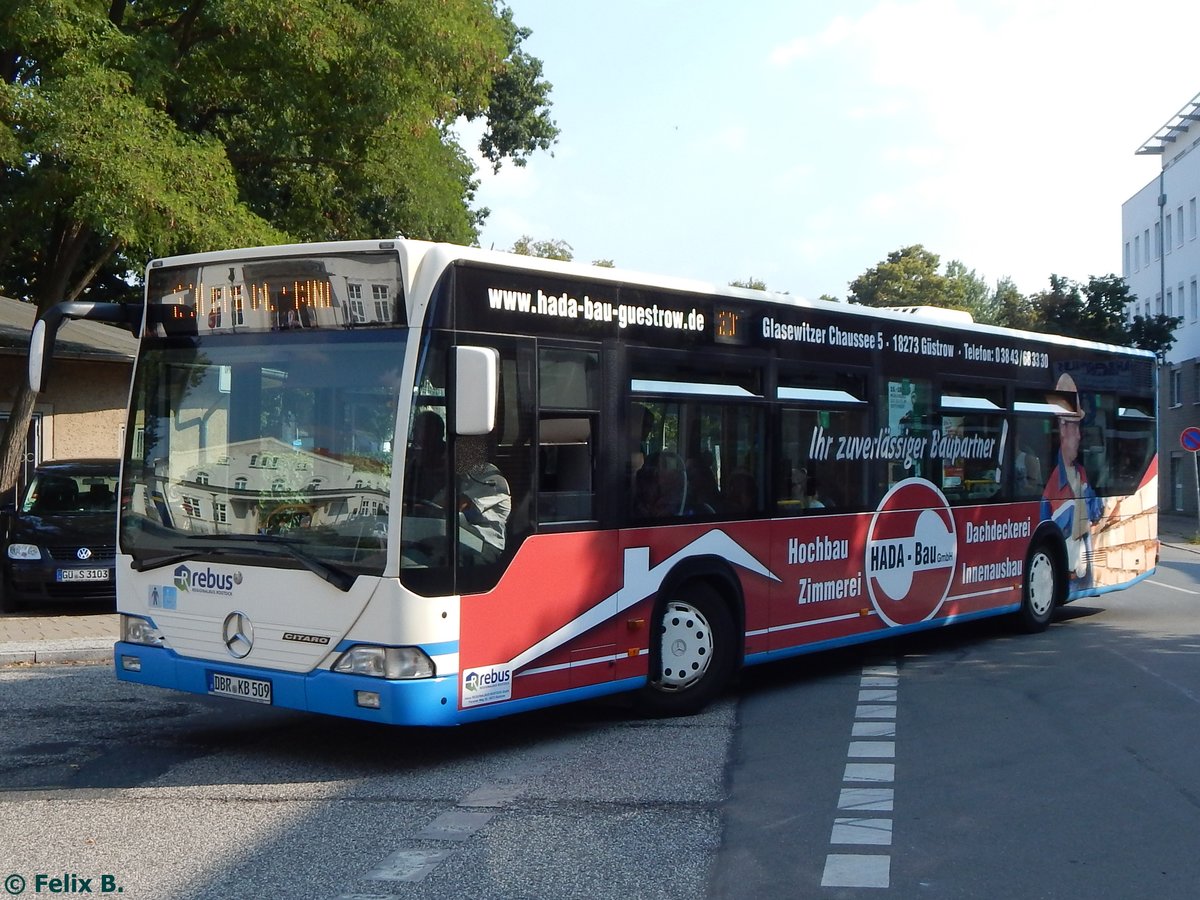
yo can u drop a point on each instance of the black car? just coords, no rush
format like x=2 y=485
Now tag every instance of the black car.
x=59 y=543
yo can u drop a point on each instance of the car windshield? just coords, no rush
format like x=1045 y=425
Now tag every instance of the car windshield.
x=69 y=493
x=275 y=445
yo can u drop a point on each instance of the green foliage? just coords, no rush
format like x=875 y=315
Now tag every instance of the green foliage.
x=1008 y=306
x=157 y=127
x=754 y=284
x=1155 y=333
x=604 y=263
x=908 y=277
x=518 y=111
x=549 y=249
x=1094 y=311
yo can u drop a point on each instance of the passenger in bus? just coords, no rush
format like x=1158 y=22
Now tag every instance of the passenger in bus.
x=1029 y=472
x=804 y=489
x=1068 y=500
x=741 y=494
x=484 y=502
x=641 y=423
x=703 y=494
x=428 y=465
x=660 y=487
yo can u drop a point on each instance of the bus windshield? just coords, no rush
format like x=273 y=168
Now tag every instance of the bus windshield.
x=273 y=445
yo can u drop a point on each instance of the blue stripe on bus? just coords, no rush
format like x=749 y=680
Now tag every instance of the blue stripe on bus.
x=424 y=701
x=438 y=649
x=1109 y=588
x=867 y=637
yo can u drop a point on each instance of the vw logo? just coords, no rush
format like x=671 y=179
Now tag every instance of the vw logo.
x=83 y=553
x=238 y=634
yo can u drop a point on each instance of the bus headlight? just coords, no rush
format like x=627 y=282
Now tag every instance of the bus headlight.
x=24 y=551
x=385 y=662
x=136 y=630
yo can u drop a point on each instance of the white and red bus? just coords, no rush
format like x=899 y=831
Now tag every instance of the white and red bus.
x=424 y=484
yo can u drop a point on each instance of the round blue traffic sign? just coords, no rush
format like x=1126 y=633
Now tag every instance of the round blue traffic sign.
x=1190 y=438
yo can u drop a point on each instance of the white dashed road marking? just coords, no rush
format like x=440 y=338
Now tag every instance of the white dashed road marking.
x=872 y=738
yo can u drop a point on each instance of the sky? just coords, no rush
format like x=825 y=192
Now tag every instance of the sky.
x=800 y=142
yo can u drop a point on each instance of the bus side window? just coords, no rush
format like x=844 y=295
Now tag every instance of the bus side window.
x=493 y=475
x=568 y=401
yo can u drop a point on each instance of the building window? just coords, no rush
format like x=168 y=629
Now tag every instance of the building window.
x=238 y=305
x=1170 y=307
x=1176 y=386
x=191 y=506
x=358 y=311
x=383 y=304
x=1128 y=269
x=202 y=478
x=1158 y=247
x=1195 y=383
x=1195 y=301
x=239 y=483
x=220 y=512
x=1192 y=218
x=1146 y=247
x=1179 y=226
x=1168 y=233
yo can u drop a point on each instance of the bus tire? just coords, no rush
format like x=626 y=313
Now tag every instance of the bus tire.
x=693 y=652
x=1040 y=593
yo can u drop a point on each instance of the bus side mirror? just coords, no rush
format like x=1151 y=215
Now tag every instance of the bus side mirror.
x=41 y=339
x=45 y=330
x=476 y=388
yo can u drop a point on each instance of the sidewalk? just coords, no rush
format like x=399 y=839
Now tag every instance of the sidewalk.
x=45 y=638
x=79 y=638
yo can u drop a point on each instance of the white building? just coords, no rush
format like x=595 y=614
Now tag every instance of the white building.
x=1161 y=260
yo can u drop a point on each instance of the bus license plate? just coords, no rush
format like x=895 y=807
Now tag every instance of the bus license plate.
x=83 y=575
x=256 y=690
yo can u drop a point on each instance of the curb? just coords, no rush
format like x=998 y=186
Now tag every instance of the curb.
x=56 y=653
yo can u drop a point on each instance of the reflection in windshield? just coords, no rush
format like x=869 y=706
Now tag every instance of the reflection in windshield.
x=284 y=435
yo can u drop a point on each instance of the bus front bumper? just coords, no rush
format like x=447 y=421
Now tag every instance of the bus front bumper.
x=423 y=701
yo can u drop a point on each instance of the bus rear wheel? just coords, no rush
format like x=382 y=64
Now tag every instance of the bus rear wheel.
x=1040 y=594
x=693 y=655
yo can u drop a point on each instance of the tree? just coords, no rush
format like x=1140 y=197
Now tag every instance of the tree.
x=143 y=129
x=1096 y=312
x=908 y=277
x=754 y=284
x=1008 y=306
x=966 y=290
x=549 y=249
x=1156 y=333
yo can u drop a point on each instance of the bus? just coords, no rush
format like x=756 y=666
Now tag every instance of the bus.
x=423 y=484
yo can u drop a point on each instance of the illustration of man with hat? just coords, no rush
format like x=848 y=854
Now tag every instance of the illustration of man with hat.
x=1068 y=498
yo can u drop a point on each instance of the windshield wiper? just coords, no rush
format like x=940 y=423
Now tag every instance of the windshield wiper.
x=253 y=543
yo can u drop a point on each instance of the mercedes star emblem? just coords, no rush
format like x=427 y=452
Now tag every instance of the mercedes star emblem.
x=238 y=634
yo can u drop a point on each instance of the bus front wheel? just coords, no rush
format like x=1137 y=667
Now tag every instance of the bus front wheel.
x=693 y=654
x=1040 y=594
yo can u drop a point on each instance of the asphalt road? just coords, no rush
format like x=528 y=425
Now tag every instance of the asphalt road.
x=967 y=762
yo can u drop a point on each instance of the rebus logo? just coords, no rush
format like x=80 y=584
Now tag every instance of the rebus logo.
x=205 y=581
x=478 y=680
x=489 y=684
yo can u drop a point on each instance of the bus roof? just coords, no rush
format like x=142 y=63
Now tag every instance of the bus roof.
x=431 y=259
